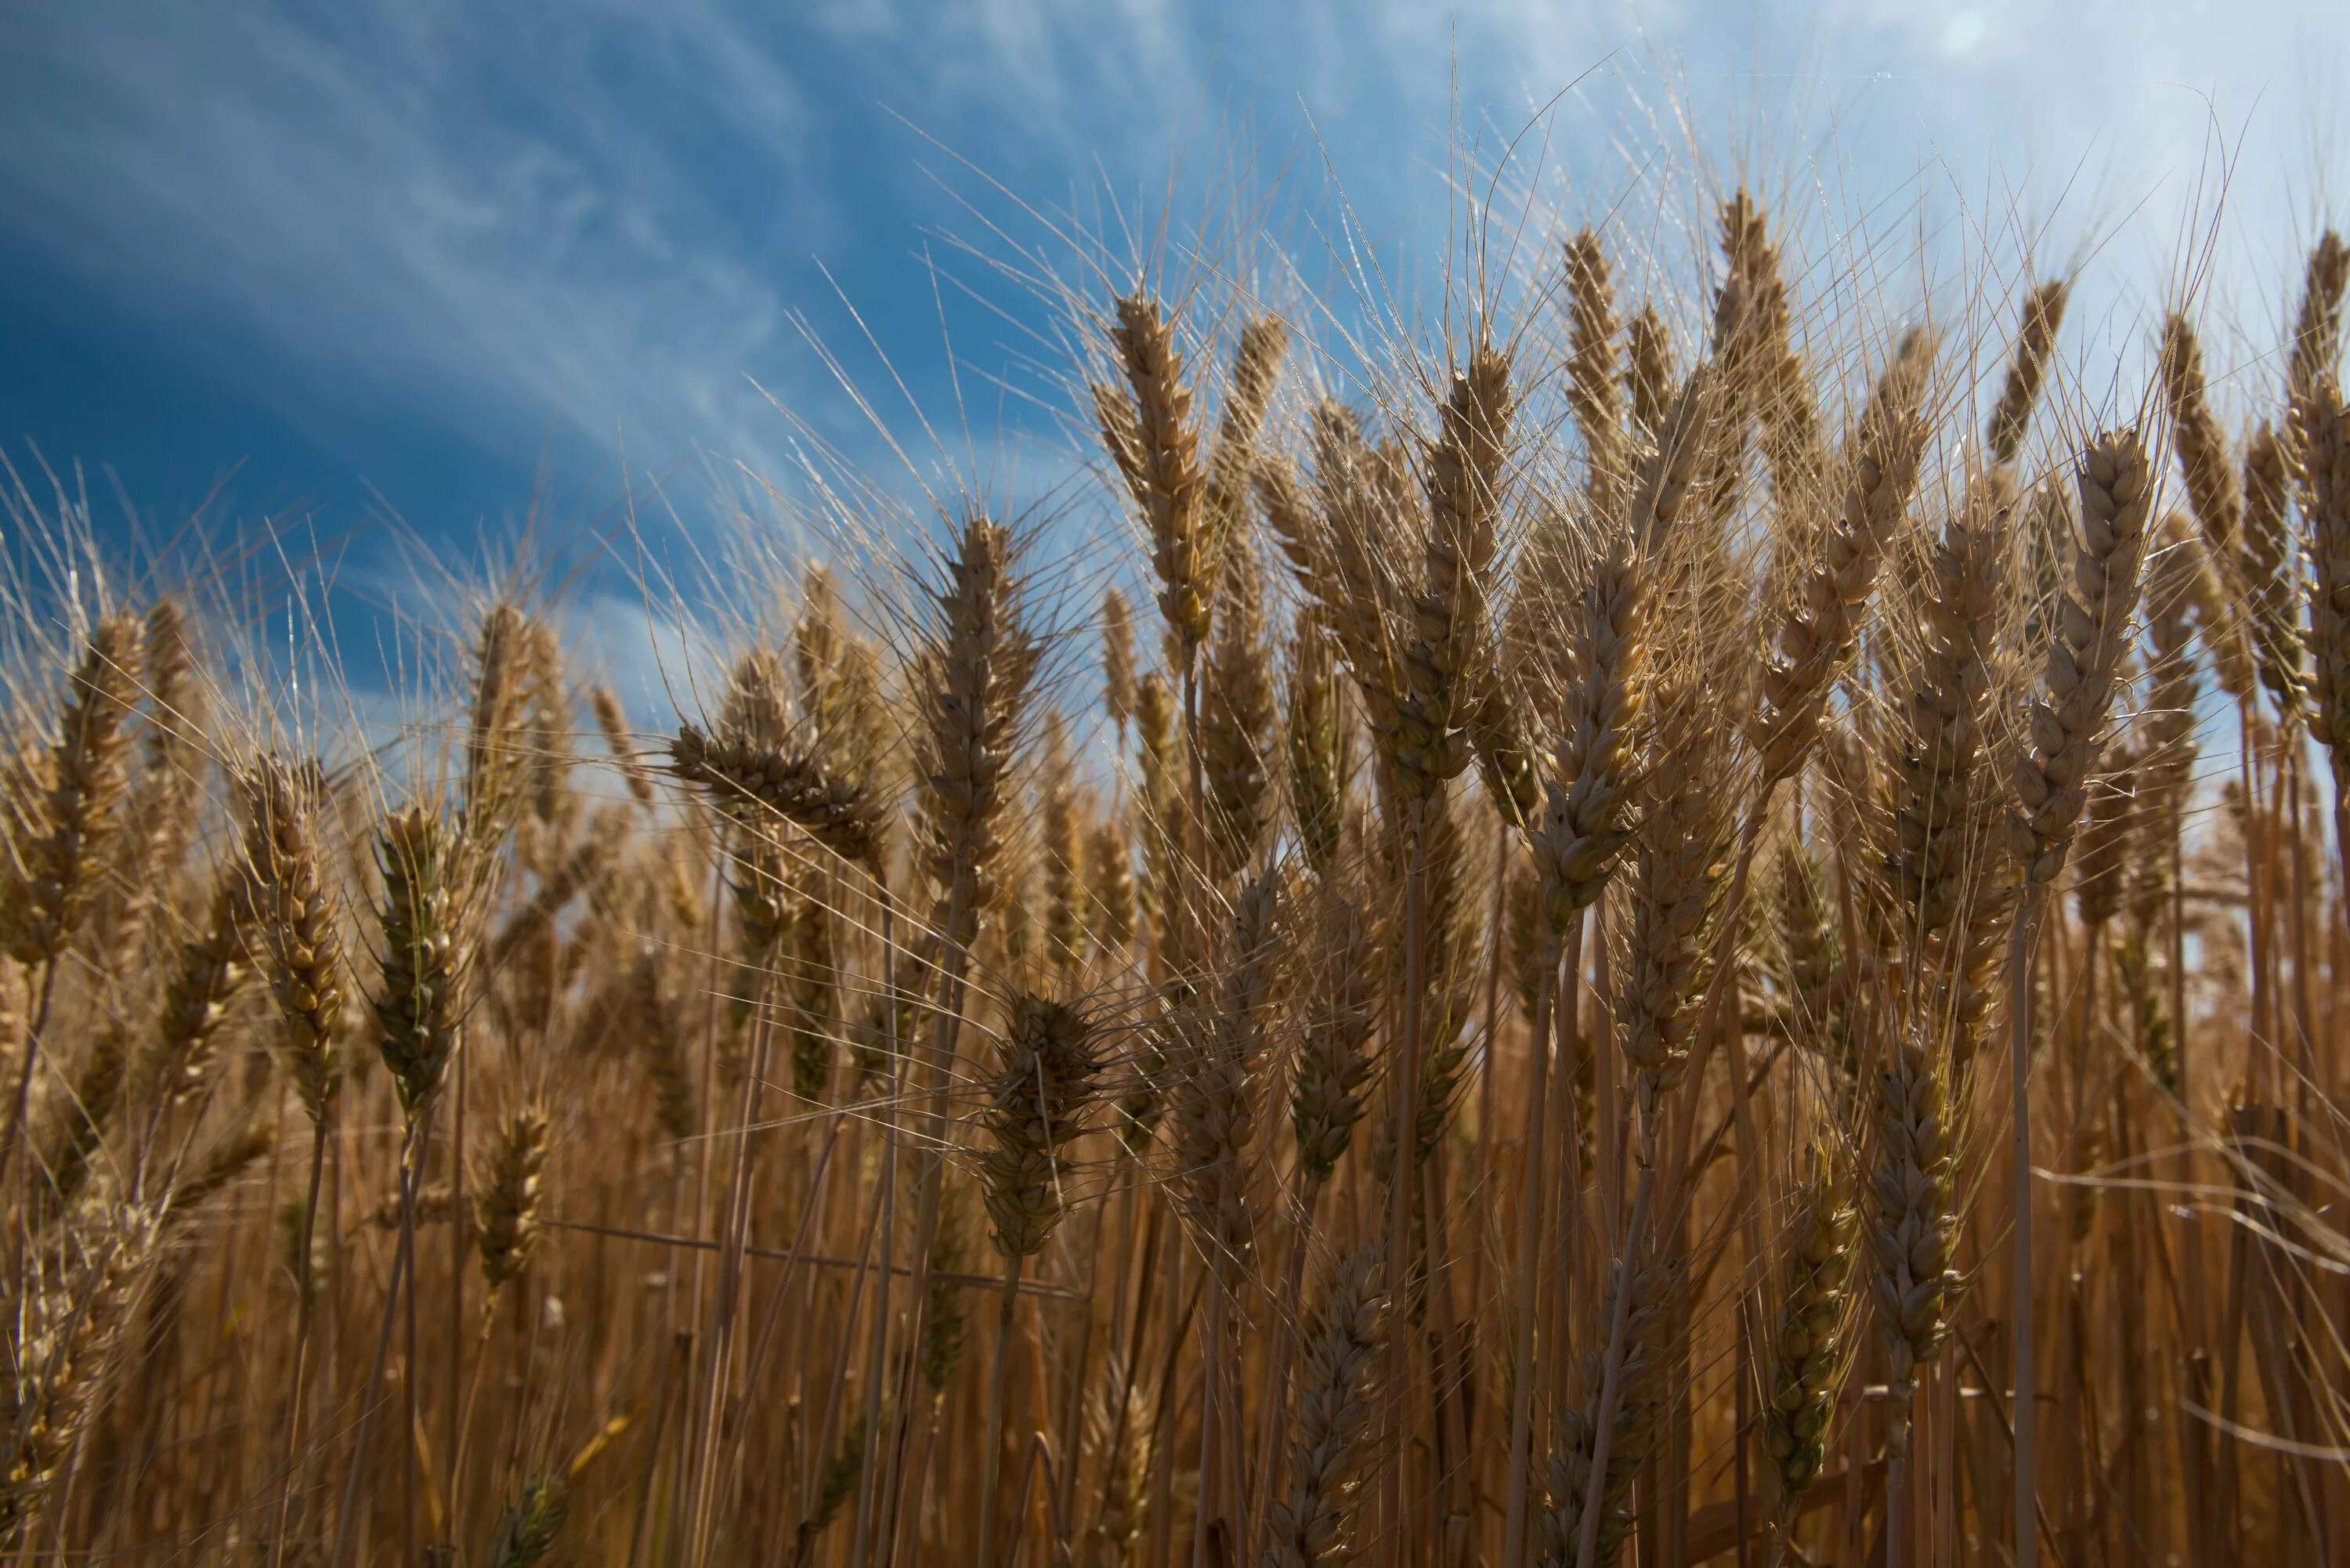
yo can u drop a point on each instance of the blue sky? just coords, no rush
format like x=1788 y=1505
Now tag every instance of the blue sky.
x=431 y=252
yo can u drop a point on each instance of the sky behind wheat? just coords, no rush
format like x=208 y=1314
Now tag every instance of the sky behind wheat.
x=438 y=258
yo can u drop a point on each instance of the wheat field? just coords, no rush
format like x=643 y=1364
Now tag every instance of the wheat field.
x=1680 y=913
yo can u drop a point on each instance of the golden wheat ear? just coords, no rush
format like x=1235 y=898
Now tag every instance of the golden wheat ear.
x=2084 y=663
x=507 y=1196
x=1806 y=1357
x=1313 y=1523
x=297 y=931
x=2328 y=468
x=2027 y=370
x=1156 y=447
x=74 y=823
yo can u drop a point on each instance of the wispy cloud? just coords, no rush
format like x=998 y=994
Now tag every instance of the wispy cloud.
x=599 y=216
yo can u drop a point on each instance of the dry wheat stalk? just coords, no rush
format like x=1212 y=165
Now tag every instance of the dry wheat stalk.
x=2067 y=725
x=1912 y=1222
x=1315 y=747
x=1037 y=1105
x=1109 y=888
x=1601 y=1444
x=652 y=1020
x=1063 y=871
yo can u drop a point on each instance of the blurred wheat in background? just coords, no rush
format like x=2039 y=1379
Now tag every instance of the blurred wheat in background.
x=1679 y=910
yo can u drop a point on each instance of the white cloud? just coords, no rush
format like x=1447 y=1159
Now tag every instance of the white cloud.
x=433 y=205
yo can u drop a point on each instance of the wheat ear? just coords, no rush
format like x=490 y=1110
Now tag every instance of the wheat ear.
x=295 y=929
x=2067 y=724
x=2271 y=569
x=506 y=1200
x=1464 y=471
x=501 y=674
x=2203 y=460
x=835 y=811
x=88 y=775
x=1037 y=1105
x=2035 y=343
x=1807 y=1354
x=1118 y=659
x=64 y=1347
x=1248 y=394
x=418 y=1008
x=2328 y=469
x=1156 y=447
x=1602 y=1444
x=1309 y=1524
x=1236 y=717
x=973 y=679
x=1818 y=630
x=1592 y=373
x=612 y=720
x=1647 y=370
x=2314 y=352
x=1912 y=1226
